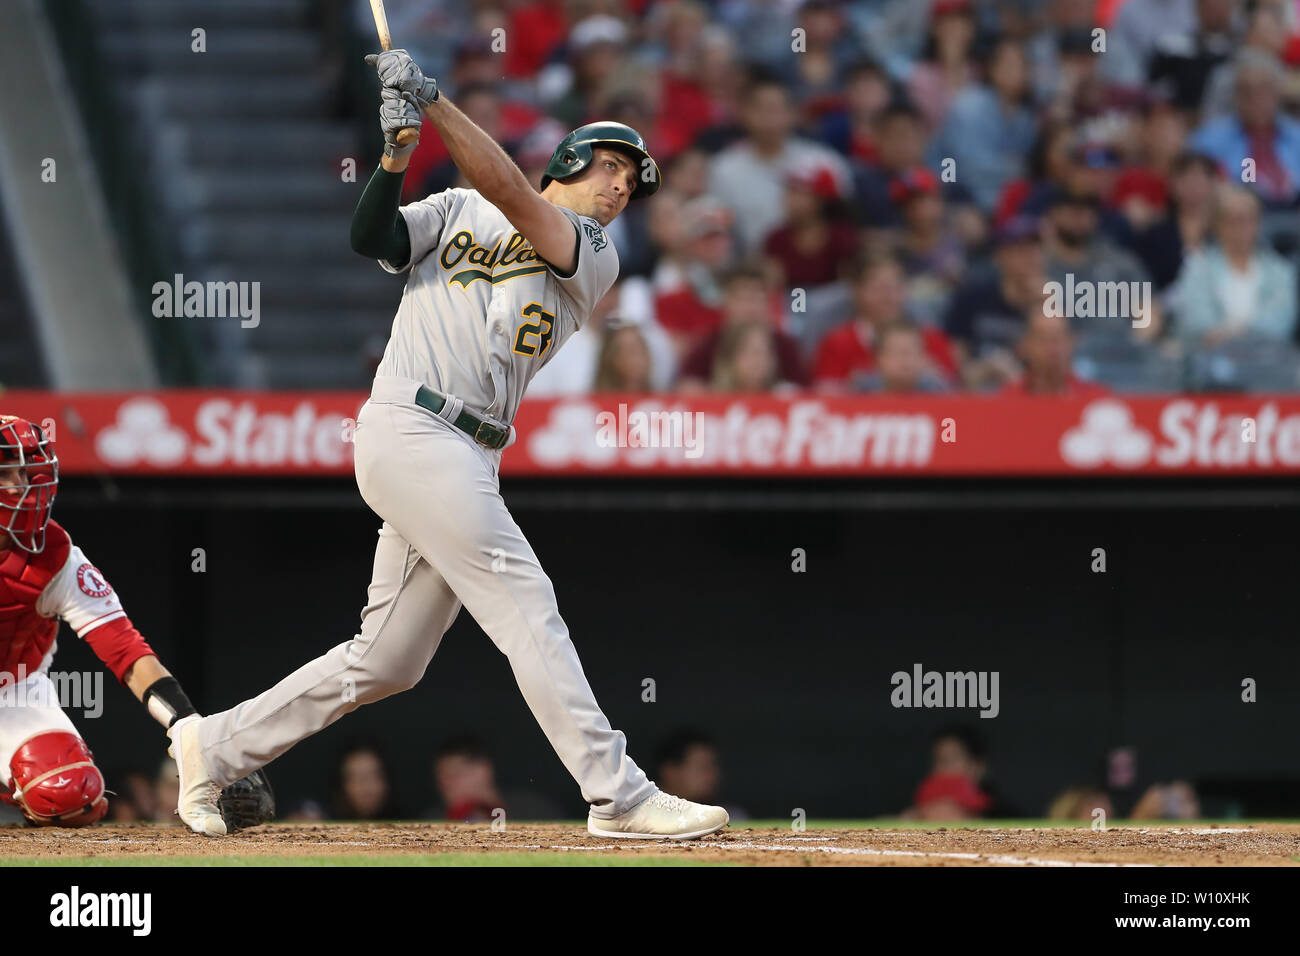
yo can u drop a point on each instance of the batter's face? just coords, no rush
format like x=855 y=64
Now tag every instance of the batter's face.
x=602 y=190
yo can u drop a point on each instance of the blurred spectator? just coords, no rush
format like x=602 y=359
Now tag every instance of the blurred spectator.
x=624 y=361
x=1236 y=287
x=945 y=66
x=1137 y=29
x=1140 y=193
x=1048 y=167
x=958 y=786
x=1183 y=226
x=851 y=128
x=749 y=176
x=465 y=781
x=746 y=299
x=815 y=246
x=746 y=359
x=990 y=127
x=1080 y=803
x=1047 y=350
x=1182 y=70
x=687 y=764
x=829 y=50
x=1267 y=33
x=848 y=350
x=1176 y=800
x=1258 y=131
x=361 y=784
x=986 y=315
x=596 y=54
x=901 y=364
x=695 y=238
x=1055 y=43
x=900 y=139
x=1076 y=251
x=933 y=257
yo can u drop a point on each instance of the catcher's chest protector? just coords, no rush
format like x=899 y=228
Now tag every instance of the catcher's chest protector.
x=25 y=636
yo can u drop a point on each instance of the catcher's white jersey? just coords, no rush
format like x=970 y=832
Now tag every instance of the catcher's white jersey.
x=481 y=312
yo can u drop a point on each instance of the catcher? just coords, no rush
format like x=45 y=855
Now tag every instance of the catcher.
x=45 y=766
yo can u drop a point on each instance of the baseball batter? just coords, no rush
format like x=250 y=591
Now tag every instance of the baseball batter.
x=500 y=276
x=45 y=766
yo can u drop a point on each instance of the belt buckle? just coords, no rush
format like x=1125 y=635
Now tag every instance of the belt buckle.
x=495 y=435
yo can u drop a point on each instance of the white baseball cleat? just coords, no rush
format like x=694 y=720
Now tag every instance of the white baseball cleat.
x=661 y=817
x=198 y=794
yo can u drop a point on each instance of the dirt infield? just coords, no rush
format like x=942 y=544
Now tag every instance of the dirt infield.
x=1215 y=845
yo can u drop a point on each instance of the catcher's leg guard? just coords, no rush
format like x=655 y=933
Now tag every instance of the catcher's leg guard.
x=55 y=781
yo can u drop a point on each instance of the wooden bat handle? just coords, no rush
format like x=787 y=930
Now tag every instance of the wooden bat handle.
x=407 y=136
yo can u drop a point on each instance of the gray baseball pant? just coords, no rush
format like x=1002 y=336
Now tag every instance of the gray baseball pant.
x=447 y=539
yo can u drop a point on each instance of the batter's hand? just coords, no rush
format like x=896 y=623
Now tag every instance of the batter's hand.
x=397 y=112
x=397 y=71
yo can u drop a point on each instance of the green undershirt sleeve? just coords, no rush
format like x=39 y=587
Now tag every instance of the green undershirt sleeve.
x=378 y=229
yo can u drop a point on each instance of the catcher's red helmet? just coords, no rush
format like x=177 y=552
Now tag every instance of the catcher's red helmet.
x=29 y=480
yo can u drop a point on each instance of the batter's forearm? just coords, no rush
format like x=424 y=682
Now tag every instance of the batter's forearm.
x=486 y=166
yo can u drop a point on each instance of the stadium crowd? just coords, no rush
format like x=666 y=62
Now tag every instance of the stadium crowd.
x=875 y=196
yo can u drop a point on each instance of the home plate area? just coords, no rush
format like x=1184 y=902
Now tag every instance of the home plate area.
x=746 y=845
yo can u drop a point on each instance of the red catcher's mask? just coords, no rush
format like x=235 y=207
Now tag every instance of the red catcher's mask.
x=29 y=479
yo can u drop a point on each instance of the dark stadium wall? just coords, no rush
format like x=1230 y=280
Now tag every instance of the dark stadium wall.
x=789 y=671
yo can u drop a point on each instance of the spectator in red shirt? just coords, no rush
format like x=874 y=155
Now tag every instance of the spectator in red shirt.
x=878 y=294
x=815 y=246
x=746 y=298
x=696 y=240
x=901 y=364
x=1047 y=350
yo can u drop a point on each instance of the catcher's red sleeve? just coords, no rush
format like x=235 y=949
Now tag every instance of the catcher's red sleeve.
x=118 y=644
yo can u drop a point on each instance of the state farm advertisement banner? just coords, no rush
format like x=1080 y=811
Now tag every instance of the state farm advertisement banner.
x=188 y=432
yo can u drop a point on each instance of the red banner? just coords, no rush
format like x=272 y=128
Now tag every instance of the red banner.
x=187 y=432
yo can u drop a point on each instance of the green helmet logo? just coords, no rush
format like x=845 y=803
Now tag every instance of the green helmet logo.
x=574 y=153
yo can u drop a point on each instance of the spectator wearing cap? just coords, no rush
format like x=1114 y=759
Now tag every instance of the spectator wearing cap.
x=746 y=298
x=1236 y=287
x=696 y=245
x=749 y=176
x=902 y=367
x=1138 y=27
x=878 y=299
x=596 y=51
x=1181 y=226
x=1258 y=131
x=815 y=245
x=1065 y=29
x=1047 y=350
x=850 y=128
x=986 y=315
x=900 y=139
x=990 y=127
x=933 y=258
x=946 y=66
x=1077 y=252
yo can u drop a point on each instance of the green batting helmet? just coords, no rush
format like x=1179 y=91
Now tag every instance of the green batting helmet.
x=573 y=155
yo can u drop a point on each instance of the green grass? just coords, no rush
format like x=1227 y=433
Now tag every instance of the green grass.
x=396 y=859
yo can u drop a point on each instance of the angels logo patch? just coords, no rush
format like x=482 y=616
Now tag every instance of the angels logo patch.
x=595 y=235
x=92 y=582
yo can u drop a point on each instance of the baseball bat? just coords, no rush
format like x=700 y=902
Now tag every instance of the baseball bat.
x=406 y=136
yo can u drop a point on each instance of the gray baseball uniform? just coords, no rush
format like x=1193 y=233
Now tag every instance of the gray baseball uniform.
x=480 y=314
